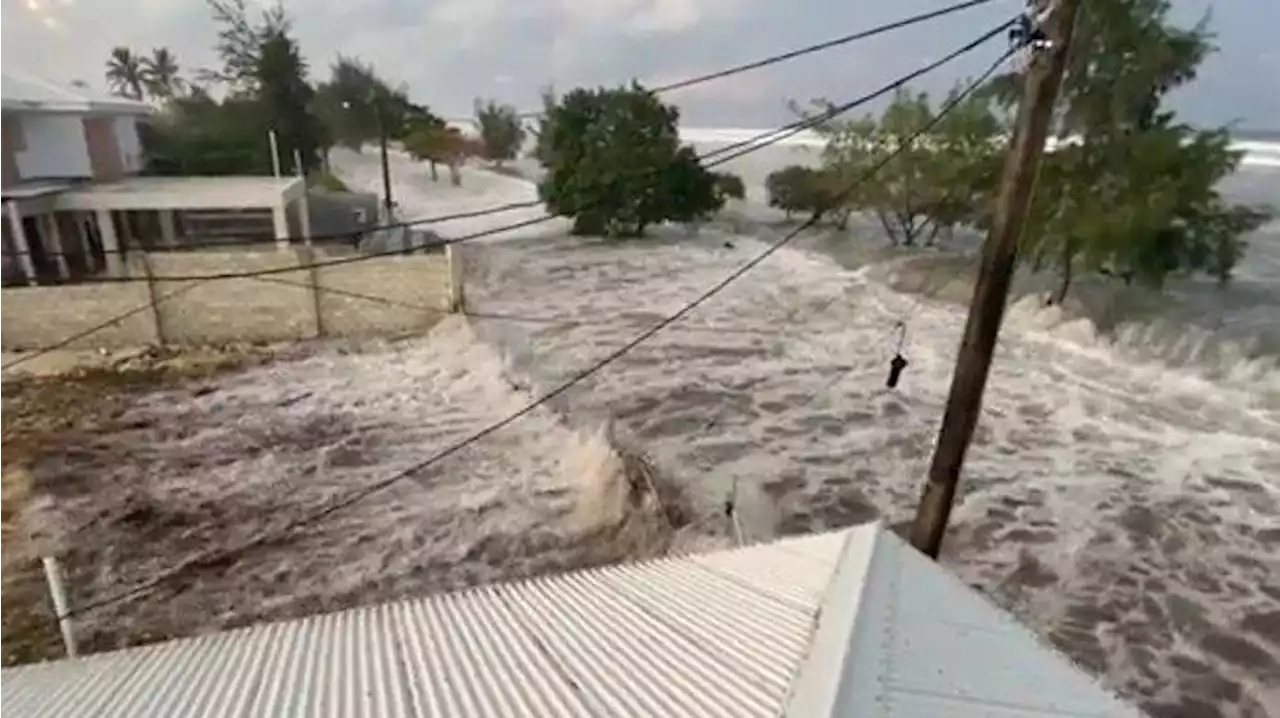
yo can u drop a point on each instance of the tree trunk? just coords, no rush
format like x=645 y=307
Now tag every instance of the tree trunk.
x=1068 y=254
x=455 y=174
x=934 y=228
x=910 y=231
x=888 y=228
x=435 y=173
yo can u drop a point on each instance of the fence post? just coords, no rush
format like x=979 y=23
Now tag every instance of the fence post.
x=58 y=592
x=453 y=258
x=157 y=317
x=308 y=256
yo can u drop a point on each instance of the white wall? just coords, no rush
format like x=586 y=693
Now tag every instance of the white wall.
x=55 y=147
x=126 y=129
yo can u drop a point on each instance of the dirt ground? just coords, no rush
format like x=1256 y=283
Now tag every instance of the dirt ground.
x=50 y=404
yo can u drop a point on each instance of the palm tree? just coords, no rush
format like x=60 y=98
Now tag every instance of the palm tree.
x=160 y=74
x=124 y=73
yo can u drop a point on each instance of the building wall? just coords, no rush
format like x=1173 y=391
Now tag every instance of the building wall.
x=105 y=159
x=13 y=142
x=414 y=292
x=54 y=147
x=129 y=144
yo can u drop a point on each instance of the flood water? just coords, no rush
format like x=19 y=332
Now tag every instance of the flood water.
x=1122 y=495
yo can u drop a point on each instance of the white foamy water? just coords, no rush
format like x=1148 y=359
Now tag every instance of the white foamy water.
x=1127 y=509
x=206 y=468
x=1256 y=152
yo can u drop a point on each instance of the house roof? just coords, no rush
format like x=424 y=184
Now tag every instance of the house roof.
x=191 y=192
x=24 y=92
x=848 y=623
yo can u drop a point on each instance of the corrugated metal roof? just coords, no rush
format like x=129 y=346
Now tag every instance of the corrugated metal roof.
x=21 y=91
x=710 y=635
x=720 y=634
x=900 y=636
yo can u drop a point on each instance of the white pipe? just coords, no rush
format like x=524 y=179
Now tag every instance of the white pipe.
x=297 y=163
x=275 y=153
x=58 y=591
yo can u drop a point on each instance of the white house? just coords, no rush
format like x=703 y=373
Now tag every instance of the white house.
x=73 y=197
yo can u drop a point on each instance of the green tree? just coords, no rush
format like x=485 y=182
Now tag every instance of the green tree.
x=124 y=73
x=432 y=143
x=268 y=91
x=345 y=102
x=285 y=98
x=1136 y=197
x=500 y=130
x=729 y=186
x=240 y=41
x=356 y=102
x=615 y=165
x=919 y=177
x=198 y=136
x=542 y=145
x=160 y=74
x=440 y=144
x=790 y=189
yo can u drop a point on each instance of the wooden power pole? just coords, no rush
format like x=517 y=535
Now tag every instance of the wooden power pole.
x=999 y=252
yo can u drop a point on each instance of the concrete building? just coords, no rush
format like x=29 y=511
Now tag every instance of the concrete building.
x=73 y=198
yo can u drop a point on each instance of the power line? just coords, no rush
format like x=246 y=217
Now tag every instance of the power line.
x=362 y=493
x=734 y=150
x=810 y=49
x=680 y=84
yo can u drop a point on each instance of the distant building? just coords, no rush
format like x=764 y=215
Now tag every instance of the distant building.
x=74 y=202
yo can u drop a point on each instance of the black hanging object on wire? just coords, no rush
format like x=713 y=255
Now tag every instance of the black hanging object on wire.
x=899 y=362
x=895 y=370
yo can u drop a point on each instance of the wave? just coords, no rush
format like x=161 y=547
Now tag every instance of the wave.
x=1257 y=153
x=1229 y=335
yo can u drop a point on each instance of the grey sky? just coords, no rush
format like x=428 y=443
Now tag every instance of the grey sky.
x=450 y=51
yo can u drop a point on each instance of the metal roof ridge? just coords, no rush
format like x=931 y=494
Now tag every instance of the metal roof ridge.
x=820 y=679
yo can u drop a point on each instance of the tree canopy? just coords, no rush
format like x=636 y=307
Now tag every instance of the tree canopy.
x=1136 y=195
x=356 y=102
x=267 y=90
x=125 y=74
x=917 y=188
x=500 y=130
x=615 y=165
x=1131 y=192
x=437 y=144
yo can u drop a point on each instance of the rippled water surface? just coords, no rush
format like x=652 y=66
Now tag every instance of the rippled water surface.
x=1123 y=491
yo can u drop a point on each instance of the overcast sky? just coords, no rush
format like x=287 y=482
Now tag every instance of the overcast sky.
x=449 y=51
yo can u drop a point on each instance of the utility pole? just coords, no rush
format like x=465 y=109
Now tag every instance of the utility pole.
x=380 y=117
x=386 y=163
x=999 y=253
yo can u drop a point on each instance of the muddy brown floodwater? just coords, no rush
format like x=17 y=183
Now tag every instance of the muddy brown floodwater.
x=150 y=472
